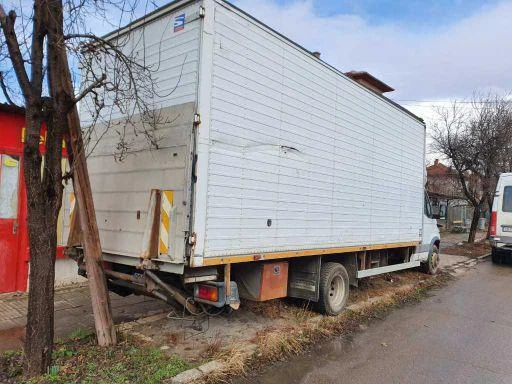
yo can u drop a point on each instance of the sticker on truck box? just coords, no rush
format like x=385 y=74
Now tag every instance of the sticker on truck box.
x=179 y=23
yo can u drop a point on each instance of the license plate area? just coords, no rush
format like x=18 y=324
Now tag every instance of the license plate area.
x=506 y=228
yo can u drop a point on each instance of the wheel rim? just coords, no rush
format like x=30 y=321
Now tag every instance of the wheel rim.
x=337 y=291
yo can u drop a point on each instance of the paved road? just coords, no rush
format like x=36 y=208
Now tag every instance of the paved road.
x=462 y=334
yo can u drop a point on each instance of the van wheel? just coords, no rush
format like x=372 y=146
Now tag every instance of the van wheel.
x=431 y=266
x=495 y=256
x=334 y=289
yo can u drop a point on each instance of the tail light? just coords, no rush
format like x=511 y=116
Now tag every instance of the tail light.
x=492 y=224
x=206 y=292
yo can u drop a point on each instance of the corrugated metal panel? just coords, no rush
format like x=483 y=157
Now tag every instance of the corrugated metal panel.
x=121 y=189
x=300 y=156
x=172 y=57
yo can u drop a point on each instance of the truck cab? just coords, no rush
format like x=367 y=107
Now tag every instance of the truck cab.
x=430 y=240
x=501 y=219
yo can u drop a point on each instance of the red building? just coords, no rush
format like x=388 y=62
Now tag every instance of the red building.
x=14 y=256
x=14 y=250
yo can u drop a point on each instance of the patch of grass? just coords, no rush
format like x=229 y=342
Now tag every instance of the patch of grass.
x=11 y=365
x=213 y=347
x=80 y=334
x=80 y=361
x=10 y=354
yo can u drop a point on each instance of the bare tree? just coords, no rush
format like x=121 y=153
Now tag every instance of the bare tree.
x=35 y=72
x=476 y=139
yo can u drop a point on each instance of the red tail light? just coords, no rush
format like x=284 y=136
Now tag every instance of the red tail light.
x=207 y=292
x=492 y=224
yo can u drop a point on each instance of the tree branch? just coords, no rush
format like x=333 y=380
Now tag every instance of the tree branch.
x=7 y=23
x=4 y=89
x=97 y=84
x=37 y=48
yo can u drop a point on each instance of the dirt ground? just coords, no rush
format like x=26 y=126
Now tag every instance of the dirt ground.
x=201 y=338
x=470 y=250
x=456 y=244
x=452 y=238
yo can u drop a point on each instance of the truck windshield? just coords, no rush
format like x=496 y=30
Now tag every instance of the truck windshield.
x=507 y=199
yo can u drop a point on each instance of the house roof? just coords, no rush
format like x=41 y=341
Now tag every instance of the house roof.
x=439 y=169
x=370 y=79
x=9 y=108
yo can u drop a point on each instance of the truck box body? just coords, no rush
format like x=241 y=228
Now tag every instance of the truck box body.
x=268 y=150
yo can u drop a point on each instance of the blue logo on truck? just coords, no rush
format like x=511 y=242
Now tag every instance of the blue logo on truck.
x=179 y=23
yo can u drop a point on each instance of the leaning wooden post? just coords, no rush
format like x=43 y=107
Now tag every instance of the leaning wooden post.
x=105 y=330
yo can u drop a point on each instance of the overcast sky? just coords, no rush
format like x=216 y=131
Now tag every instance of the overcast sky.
x=427 y=50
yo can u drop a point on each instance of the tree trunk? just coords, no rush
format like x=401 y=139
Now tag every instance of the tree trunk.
x=39 y=334
x=474 y=224
x=44 y=196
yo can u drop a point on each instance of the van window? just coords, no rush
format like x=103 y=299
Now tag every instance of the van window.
x=507 y=199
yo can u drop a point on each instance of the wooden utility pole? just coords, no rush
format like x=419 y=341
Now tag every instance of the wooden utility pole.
x=105 y=330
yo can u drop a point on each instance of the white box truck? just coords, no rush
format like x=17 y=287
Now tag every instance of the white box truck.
x=275 y=174
x=501 y=219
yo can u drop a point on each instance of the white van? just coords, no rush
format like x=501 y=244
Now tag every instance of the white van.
x=501 y=219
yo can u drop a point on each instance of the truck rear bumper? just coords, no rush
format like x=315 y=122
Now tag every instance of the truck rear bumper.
x=501 y=242
x=164 y=266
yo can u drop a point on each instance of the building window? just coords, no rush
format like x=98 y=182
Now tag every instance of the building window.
x=9 y=179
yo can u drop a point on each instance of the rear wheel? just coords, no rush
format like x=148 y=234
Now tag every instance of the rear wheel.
x=496 y=257
x=431 y=266
x=334 y=287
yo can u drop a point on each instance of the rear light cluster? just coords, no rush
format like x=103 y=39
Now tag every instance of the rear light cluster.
x=492 y=225
x=206 y=292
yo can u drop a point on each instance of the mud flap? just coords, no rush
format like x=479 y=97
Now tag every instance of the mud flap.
x=304 y=278
x=350 y=264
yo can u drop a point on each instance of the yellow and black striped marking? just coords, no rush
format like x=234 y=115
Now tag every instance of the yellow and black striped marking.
x=165 y=221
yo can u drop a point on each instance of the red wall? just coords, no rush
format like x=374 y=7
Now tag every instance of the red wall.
x=11 y=131
x=11 y=125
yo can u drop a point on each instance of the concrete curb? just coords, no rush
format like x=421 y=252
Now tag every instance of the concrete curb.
x=481 y=258
x=197 y=373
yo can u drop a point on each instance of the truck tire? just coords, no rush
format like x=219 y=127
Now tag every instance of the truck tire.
x=334 y=287
x=496 y=257
x=431 y=266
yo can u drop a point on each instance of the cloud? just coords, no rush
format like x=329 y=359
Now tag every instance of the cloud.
x=441 y=63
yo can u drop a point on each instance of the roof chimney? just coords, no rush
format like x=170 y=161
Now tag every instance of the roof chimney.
x=316 y=54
